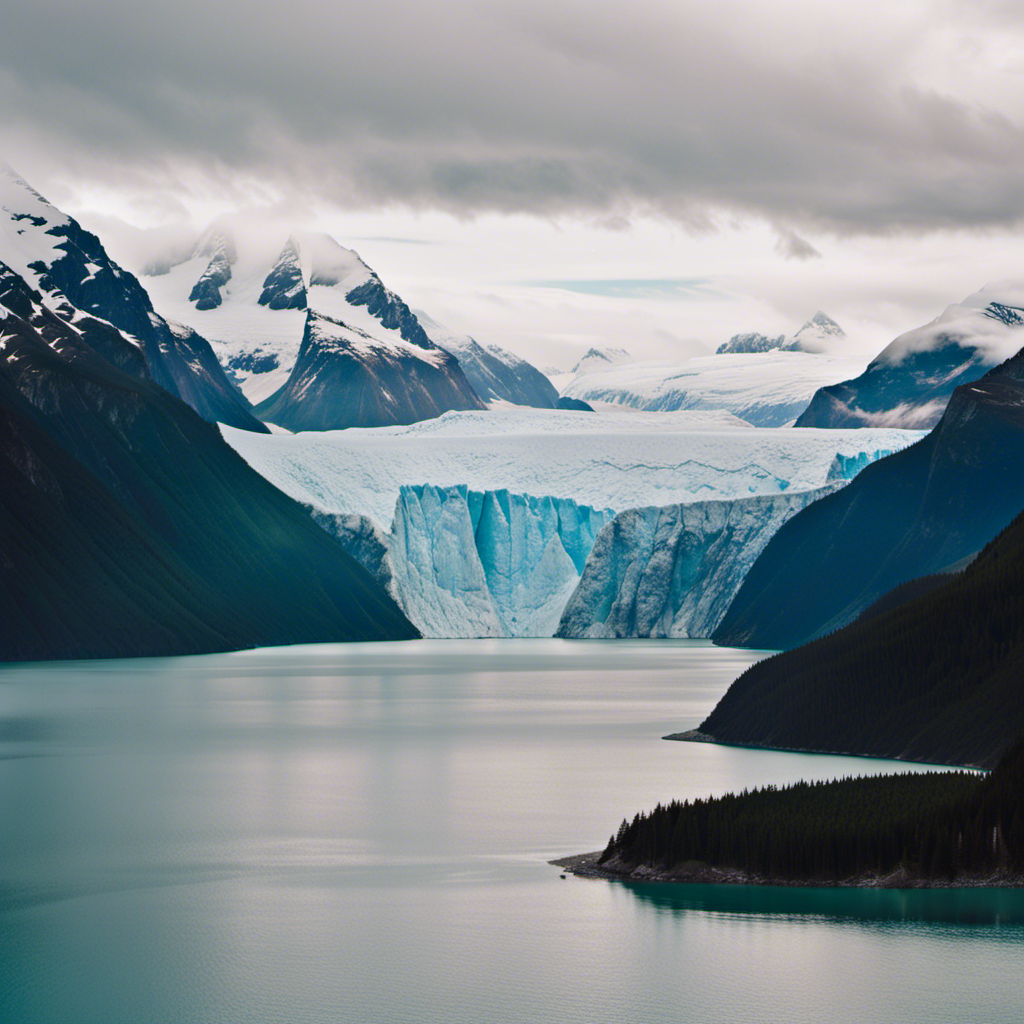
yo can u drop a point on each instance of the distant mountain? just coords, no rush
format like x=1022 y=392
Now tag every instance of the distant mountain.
x=909 y=383
x=315 y=338
x=495 y=373
x=911 y=514
x=69 y=265
x=752 y=341
x=817 y=335
x=600 y=358
x=937 y=677
x=129 y=528
x=573 y=404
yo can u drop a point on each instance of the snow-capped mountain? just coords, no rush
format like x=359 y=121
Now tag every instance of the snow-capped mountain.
x=129 y=528
x=495 y=373
x=767 y=389
x=673 y=571
x=70 y=268
x=819 y=334
x=346 y=377
x=312 y=334
x=910 y=381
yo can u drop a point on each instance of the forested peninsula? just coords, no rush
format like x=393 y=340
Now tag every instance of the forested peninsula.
x=939 y=829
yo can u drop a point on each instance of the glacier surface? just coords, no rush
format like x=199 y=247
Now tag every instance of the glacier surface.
x=617 y=459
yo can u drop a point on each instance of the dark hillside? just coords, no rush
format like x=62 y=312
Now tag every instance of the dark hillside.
x=937 y=678
x=128 y=527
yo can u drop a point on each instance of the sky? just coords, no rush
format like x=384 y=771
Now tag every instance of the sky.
x=550 y=176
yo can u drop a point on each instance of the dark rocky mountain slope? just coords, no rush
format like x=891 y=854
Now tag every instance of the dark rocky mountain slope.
x=914 y=513
x=129 y=528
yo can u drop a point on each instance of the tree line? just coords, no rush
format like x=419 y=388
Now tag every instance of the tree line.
x=941 y=826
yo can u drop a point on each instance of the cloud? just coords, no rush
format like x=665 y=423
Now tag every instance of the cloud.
x=845 y=117
x=790 y=246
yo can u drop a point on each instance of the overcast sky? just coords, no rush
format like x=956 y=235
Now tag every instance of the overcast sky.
x=550 y=175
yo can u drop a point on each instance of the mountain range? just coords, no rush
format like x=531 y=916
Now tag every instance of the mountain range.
x=318 y=342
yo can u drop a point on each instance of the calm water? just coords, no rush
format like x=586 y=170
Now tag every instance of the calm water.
x=359 y=833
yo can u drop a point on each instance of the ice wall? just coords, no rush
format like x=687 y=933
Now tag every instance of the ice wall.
x=465 y=563
x=673 y=571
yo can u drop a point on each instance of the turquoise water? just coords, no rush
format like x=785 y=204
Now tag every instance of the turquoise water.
x=360 y=833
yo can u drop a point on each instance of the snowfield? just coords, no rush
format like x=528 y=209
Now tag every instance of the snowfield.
x=767 y=389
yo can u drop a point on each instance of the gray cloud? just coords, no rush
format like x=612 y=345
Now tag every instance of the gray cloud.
x=824 y=116
x=791 y=246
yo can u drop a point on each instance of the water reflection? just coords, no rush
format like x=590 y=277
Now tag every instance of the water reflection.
x=934 y=906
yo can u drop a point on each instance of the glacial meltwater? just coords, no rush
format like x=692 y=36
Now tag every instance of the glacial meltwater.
x=361 y=833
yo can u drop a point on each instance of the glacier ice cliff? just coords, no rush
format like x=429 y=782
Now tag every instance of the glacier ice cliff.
x=672 y=571
x=465 y=563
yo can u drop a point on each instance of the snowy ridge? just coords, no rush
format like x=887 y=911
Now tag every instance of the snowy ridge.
x=495 y=373
x=910 y=381
x=985 y=321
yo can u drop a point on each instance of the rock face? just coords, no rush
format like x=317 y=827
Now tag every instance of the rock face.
x=912 y=514
x=70 y=268
x=129 y=528
x=909 y=383
x=345 y=377
x=673 y=571
x=206 y=291
x=573 y=404
x=283 y=287
x=495 y=373
x=750 y=342
x=465 y=563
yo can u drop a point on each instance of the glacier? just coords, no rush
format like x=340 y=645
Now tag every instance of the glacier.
x=480 y=524
x=673 y=571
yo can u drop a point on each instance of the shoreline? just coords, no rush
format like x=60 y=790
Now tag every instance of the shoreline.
x=696 y=736
x=584 y=865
